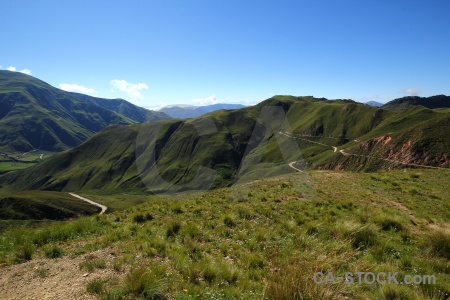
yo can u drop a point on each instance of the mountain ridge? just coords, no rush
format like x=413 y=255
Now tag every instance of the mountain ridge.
x=437 y=101
x=192 y=111
x=330 y=134
x=36 y=115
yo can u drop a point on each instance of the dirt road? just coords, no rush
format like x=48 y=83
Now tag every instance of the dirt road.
x=104 y=208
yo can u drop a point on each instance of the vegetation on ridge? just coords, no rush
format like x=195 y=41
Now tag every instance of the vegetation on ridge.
x=338 y=134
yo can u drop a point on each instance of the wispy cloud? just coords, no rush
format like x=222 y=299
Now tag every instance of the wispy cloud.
x=156 y=107
x=206 y=101
x=24 y=71
x=411 y=91
x=76 y=88
x=131 y=89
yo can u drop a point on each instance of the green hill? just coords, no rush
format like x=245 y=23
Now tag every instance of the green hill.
x=124 y=108
x=238 y=148
x=35 y=115
x=41 y=205
x=438 y=101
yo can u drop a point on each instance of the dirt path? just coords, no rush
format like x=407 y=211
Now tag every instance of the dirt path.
x=104 y=208
x=291 y=164
x=390 y=160
x=335 y=149
x=54 y=279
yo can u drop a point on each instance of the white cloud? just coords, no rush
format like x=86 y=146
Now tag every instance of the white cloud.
x=13 y=69
x=411 y=91
x=76 y=88
x=206 y=101
x=156 y=107
x=131 y=89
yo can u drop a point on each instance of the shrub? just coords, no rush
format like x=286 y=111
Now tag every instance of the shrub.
x=364 y=238
x=24 y=253
x=390 y=293
x=285 y=278
x=228 y=221
x=145 y=283
x=192 y=230
x=95 y=286
x=140 y=218
x=312 y=230
x=173 y=229
x=90 y=264
x=177 y=209
x=414 y=192
x=440 y=243
x=209 y=273
x=54 y=252
x=255 y=262
x=391 y=224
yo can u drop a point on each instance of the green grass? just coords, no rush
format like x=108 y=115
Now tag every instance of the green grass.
x=95 y=286
x=54 y=252
x=11 y=166
x=266 y=246
x=41 y=205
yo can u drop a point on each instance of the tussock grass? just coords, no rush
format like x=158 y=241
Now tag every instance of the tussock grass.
x=95 y=286
x=260 y=249
x=54 y=252
x=440 y=243
x=292 y=276
x=149 y=284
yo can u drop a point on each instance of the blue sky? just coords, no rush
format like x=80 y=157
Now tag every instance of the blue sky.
x=197 y=52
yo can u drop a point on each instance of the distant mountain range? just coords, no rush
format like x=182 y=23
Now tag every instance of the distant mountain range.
x=374 y=103
x=190 y=111
x=36 y=115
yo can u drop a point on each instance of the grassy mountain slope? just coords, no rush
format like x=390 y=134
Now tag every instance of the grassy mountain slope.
x=214 y=246
x=122 y=157
x=438 y=101
x=124 y=108
x=35 y=115
x=41 y=205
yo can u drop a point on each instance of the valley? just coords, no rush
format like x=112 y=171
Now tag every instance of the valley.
x=226 y=205
x=222 y=150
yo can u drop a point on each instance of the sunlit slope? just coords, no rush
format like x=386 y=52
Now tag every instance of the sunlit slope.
x=35 y=115
x=231 y=147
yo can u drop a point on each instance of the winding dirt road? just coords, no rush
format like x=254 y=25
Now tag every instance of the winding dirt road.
x=104 y=208
x=335 y=149
x=291 y=164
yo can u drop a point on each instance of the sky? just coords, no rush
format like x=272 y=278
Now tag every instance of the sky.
x=156 y=53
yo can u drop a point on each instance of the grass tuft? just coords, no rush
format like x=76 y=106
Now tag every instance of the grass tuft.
x=54 y=252
x=95 y=286
x=440 y=243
